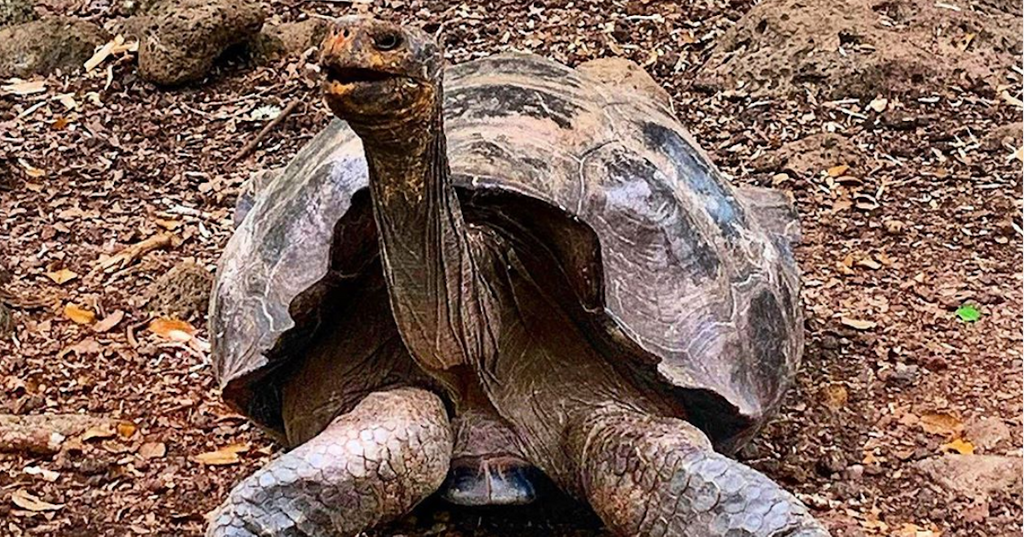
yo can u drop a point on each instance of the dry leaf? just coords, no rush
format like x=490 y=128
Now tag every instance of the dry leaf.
x=102 y=53
x=223 y=456
x=858 y=324
x=1010 y=99
x=172 y=330
x=43 y=473
x=169 y=225
x=836 y=171
x=68 y=100
x=959 y=445
x=152 y=450
x=79 y=315
x=23 y=499
x=913 y=530
x=869 y=263
x=966 y=41
x=62 y=276
x=31 y=170
x=941 y=423
x=125 y=429
x=25 y=88
x=836 y=396
x=86 y=346
x=108 y=322
x=99 y=431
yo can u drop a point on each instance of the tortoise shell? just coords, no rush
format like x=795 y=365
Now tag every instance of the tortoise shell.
x=663 y=262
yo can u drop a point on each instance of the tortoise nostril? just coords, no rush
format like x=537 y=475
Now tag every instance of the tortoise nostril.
x=344 y=33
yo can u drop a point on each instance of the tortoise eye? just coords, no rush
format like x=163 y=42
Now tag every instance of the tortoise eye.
x=387 y=41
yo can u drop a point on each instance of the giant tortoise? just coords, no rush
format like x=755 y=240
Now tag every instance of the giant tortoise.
x=534 y=268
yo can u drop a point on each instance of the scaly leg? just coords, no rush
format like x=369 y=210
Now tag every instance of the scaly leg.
x=368 y=466
x=654 y=476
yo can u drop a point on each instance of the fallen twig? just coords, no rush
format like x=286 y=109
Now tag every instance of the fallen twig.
x=266 y=130
x=129 y=254
x=43 y=434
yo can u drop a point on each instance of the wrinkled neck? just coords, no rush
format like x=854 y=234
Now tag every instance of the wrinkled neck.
x=440 y=304
x=407 y=159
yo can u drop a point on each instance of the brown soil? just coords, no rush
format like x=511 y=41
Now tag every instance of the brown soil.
x=863 y=48
x=927 y=219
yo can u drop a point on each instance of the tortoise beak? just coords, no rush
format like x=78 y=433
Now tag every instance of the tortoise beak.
x=355 y=53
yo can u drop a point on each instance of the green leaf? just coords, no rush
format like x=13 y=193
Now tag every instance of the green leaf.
x=968 y=313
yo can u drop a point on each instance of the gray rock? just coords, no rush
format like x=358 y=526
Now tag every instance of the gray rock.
x=183 y=292
x=16 y=12
x=1003 y=137
x=180 y=39
x=42 y=47
x=288 y=39
x=809 y=156
x=989 y=435
x=974 y=476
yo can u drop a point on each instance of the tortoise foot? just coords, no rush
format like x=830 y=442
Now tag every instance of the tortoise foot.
x=368 y=466
x=647 y=475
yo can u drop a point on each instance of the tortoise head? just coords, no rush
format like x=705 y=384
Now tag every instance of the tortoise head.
x=380 y=75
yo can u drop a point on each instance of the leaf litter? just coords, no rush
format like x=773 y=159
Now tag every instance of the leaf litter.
x=140 y=164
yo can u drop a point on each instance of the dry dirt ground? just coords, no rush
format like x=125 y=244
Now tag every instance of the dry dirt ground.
x=924 y=219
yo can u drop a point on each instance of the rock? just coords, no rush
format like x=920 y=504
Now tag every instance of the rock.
x=903 y=374
x=621 y=72
x=180 y=39
x=42 y=47
x=831 y=462
x=861 y=48
x=1004 y=137
x=974 y=476
x=894 y=227
x=277 y=41
x=810 y=156
x=16 y=12
x=855 y=472
x=988 y=435
x=183 y=292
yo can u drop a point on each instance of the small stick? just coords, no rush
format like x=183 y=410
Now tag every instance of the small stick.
x=130 y=253
x=266 y=130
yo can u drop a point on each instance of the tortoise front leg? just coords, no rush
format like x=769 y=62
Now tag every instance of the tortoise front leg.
x=368 y=466
x=654 y=476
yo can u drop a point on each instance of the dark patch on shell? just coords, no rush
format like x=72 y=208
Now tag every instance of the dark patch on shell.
x=505 y=100
x=699 y=176
x=766 y=330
